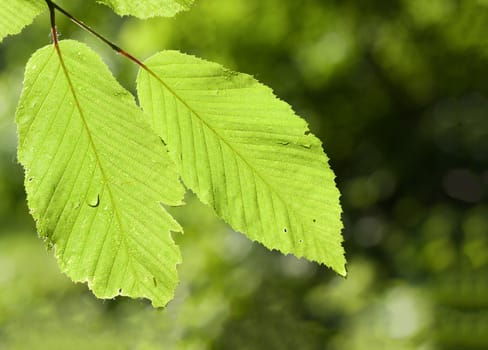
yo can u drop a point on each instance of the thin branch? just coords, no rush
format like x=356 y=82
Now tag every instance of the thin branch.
x=53 y=6
x=52 y=16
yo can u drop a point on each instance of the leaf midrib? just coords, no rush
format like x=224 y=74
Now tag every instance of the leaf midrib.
x=97 y=157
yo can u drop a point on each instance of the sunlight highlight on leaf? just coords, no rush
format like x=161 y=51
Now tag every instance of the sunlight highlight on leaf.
x=95 y=174
x=246 y=153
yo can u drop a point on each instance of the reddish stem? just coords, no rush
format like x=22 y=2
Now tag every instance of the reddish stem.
x=52 y=7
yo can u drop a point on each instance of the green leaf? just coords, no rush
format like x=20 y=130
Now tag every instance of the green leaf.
x=148 y=8
x=16 y=14
x=95 y=174
x=246 y=153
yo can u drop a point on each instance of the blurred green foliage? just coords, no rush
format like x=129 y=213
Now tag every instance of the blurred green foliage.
x=398 y=92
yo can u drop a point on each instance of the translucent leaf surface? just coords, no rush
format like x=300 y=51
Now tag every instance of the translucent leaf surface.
x=246 y=153
x=148 y=8
x=95 y=174
x=16 y=14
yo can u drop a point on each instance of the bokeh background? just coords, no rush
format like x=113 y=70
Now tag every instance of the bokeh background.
x=398 y=92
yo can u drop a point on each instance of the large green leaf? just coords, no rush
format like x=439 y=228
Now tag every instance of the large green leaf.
x=16 y=14
x=148 y=8
x=95 y=176
x=246 y=154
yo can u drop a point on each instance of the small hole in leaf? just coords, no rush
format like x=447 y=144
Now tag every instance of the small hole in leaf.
x=285 y=230
x=314 y=220
x=307 y=132
x=300 y=241
x=120 y=290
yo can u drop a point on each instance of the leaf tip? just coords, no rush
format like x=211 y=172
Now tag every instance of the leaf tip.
x=342 y=270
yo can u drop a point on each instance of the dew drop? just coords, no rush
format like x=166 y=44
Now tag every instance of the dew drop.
x=93 y=201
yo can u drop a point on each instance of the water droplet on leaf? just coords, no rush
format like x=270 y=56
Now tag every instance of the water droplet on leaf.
x=93 y=201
